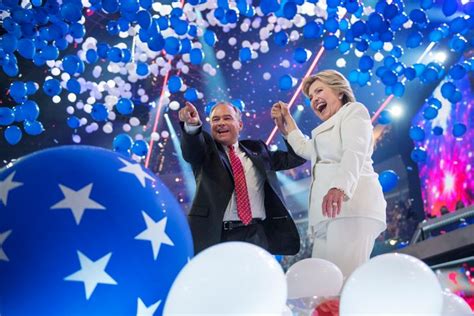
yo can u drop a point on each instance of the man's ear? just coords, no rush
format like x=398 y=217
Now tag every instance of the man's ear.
x=241 y=125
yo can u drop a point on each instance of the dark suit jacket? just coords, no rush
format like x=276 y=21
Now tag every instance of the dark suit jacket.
x=214 y=187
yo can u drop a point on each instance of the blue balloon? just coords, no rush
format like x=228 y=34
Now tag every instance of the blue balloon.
x=140 y=148
x=417 y=133
x=430 y=112
x=102 y=50
x=436 y=35
x=418 y=155
x=331 y=42
x=30 y=110
x=91 y=56
x=301 y=55
x=459 y=129
x=458 y=43
x=448 y=89
x=312 y=30
x=71 y=11
x=48 y=53
x=458 y=25
x=33 y=128
x=115 y=54
x=344 y=47
x=286 y=82
x=9 y=43
x=385 y=117
x=73 y=122
x=363 y=78
x=245 y=54
x=6 y=116
x=122 y=143
x=398 y=89
x=13 y=134
x=388 y=180
x=196 y=56
x=26 y=48
x=191 y=94
x=172 y=45
x=435 y=102
x=126 y=55
x=389 y=78
x=210 y=37
x=174 y=84
x=125 y=106
x=71 y=64
x=418 y=16
x=449 y=7
x=359 y=28
x=238 y=103
x=52 y=87
x=438 y=131
x=181 y=27
x=112 y=27
x=457 y=72
x=231 y=16
x=289 y=10
x=156 y=43
x=142 y=69
x=410 y=73
x=366 y=63
x=77 y=30
x=31 y=87
x=208 y=108
x=281 y=38
x=73 y=86
x=131 y=257
x=19 y=113
x=144 y=19
x=18 y=91
x=100 y=112
x=414 y=39
x=331 y=25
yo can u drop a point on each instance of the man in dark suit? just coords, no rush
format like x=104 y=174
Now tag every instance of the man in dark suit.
x=238 y=197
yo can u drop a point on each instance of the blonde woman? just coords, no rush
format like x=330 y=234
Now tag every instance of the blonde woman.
x=346 y=206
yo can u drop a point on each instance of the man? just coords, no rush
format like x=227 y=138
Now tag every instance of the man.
x=238 y=197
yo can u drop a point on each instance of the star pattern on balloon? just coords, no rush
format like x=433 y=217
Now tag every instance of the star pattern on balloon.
x=92 y=273
x=137 y=170
x=155 y=234
x=3 y=237
x=6 y=186
x=143 y=310
x=77 y=201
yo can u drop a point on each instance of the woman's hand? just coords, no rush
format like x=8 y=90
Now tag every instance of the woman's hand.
x=277 y=117
x=332 y=203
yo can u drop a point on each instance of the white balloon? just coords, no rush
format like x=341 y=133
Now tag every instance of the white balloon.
x=313 y=277
x=174 y=105
x=454 y=305
x=392 y=284
x=232 y=278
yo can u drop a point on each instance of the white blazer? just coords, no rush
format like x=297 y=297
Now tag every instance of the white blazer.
x=340 y=150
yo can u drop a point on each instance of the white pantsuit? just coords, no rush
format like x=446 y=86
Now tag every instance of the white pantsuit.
x=340 y=150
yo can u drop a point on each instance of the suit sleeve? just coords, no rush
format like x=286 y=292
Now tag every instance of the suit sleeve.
x=283 y=160
x=356 y=135
x=301 y=145
x=193 y=146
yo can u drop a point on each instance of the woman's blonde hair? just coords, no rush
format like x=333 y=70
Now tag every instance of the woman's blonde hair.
x=334 y=80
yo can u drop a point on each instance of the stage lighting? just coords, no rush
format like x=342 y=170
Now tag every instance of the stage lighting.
x=396 y=110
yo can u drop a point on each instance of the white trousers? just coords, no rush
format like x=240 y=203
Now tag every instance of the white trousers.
x=346 y=242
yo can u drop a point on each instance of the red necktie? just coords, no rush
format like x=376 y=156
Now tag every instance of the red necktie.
x=241 y=192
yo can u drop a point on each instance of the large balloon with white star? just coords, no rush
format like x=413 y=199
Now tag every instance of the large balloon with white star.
x=86 y=231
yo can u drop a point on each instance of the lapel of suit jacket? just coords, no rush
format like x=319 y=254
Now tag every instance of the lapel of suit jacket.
x=254 y=157
x=329 y=123
x=224 y=158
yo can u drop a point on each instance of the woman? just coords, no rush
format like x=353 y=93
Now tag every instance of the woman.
x=347 y=206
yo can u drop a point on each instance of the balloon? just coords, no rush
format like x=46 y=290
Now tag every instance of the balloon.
x=122 y=143
x=366 y=63
x=458 y=43
x=174 y=84
x=454 y=305
x=414 y=39
x=33 y=128
x=229 y=278
x=71 y=11
x=71 y=64
x=430 y=112
x=26 y=48
x=313 y=277
x=286 y=82
x=30 y=110
x=112 y=232
x=142 y=69
x=385 y=117
x=31 y=87
x=311 y=30
x=457 y=72
x=115 y=54
x=389 y=78
x=418 y=155
x=281 y=38
x=125 y=106
x=140 y=148
x=437 y=130
x=289 y=10
x=18 y=91
x=196 y=56
x=52 y=87
x=172 y=45
x=73 y=122
x=410 y=288
x=449 y=7
x=301 y=55
x=13 y=134
x=388 y=180
x=191 y=94
x=459 y=129
x=91 y=56
x=417 y=133
x=331 y=42
x=238 y=103
x=77 y=30
x=73 y=86
x=331 y=24
x=210 y=37
x=6 y=116
x=99 y=112
x=245 y=54
x=156 y=42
